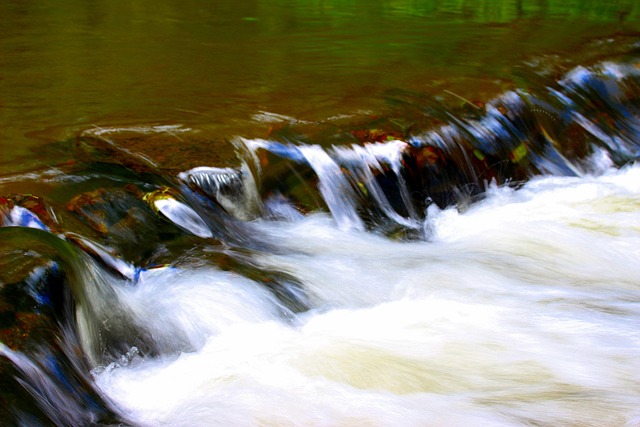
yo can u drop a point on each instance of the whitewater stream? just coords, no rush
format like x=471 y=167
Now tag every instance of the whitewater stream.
x=363 y=284
x=388 y=213
x=523 y=310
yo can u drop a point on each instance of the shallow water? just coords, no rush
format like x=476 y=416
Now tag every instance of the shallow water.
x=520 y=311
x=320 y=213
x=213 y=68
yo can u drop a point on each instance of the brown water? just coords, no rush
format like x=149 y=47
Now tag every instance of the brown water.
x=211 y=66
x=376 y=256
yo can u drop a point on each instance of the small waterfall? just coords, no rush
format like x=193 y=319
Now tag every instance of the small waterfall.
x=65 y=318
x=563 y=130
x=376 y=169
x=481 y=270
x=234 y=189
x=516 y=136
x=335 y=189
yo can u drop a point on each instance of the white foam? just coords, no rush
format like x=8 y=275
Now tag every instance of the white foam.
x=521 y=310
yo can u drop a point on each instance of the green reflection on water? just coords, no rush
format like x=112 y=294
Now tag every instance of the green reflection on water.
x=68 y=66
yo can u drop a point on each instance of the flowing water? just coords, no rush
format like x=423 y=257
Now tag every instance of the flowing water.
x=326 y=213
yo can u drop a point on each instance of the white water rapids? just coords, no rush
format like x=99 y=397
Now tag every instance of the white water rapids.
x=522 y=310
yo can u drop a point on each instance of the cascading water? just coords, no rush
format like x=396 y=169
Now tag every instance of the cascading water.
x=485 y=271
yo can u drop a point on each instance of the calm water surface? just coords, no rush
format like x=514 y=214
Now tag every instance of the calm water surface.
x=213 y=65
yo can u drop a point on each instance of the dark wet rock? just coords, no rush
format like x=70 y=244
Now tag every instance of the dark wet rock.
x=33 y=212
x=233 y=189
x=17 y=405
x=376 y=135
x=171 y=148
x=44 y=388
x=43 y=377
x=122 y=220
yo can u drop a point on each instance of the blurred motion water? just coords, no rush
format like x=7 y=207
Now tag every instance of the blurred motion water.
x=416 y=213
